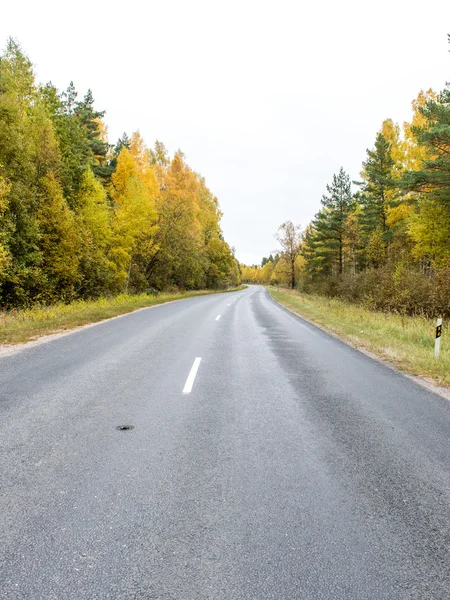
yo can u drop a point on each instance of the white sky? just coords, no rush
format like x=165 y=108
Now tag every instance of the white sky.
x=266 y=99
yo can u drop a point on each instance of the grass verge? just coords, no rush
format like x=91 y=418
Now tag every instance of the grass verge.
x=18 y=326
x=407 y=342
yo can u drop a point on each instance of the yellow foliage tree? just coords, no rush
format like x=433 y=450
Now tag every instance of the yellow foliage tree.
x=429 y=230
x=5 y=256
x=94 y=218
x=415 y=153
x=134 y=224
x=59 y=242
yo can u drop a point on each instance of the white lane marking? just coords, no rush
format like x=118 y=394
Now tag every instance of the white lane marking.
x=191 y=377
x=229 y=304
x=218 y=317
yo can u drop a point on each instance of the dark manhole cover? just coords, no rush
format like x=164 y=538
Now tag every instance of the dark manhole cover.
x=124 y=427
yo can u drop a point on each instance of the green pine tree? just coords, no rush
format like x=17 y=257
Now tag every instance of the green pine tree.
x=375 y=196
x=330 y=224
x=90 y=118
x=433 y=179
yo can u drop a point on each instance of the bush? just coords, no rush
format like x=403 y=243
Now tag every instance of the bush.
x=391 y=288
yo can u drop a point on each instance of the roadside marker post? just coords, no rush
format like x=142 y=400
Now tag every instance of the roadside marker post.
x=437 y=343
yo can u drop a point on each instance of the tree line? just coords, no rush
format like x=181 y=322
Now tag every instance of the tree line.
x=80 y=218
x=383 y=240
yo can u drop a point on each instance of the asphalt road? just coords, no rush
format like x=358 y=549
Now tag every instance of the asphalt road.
x=296 y=467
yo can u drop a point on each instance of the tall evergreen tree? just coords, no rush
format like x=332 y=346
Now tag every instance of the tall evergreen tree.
x=331 y=222
x=90 y=120
x=433 y=179
x=73 y=140
x=374 y=199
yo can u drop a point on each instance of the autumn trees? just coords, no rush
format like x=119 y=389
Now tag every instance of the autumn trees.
x=388 y=244
x=383 y=240
x=81 y=218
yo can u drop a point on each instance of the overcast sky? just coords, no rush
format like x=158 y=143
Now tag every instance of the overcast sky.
x=266 y=99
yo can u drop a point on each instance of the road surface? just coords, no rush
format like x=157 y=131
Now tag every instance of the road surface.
x=282 y=465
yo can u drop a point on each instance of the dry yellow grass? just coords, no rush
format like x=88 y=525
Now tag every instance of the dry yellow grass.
x=407 y=342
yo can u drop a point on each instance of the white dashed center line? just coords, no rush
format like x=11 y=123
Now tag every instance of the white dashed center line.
x=218 y=317
x=191 y=377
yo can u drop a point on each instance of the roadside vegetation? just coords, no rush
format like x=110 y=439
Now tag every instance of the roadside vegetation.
x=407 y=342
x=382 y=241
x=23 y=325
x=82 y=218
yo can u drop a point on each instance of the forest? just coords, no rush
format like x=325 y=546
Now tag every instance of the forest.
x=82 y=218
x=382 y=241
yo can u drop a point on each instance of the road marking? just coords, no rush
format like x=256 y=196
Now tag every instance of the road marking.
x=191 y=377
x=229 y=304
x=218 y=317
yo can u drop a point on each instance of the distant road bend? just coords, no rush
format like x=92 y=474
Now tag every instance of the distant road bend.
x=267 y=461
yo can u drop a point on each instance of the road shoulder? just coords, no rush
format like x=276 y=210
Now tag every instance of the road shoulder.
x=427 y=382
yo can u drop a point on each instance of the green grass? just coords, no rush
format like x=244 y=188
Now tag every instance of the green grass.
x=17 y=326
x=408 y=342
